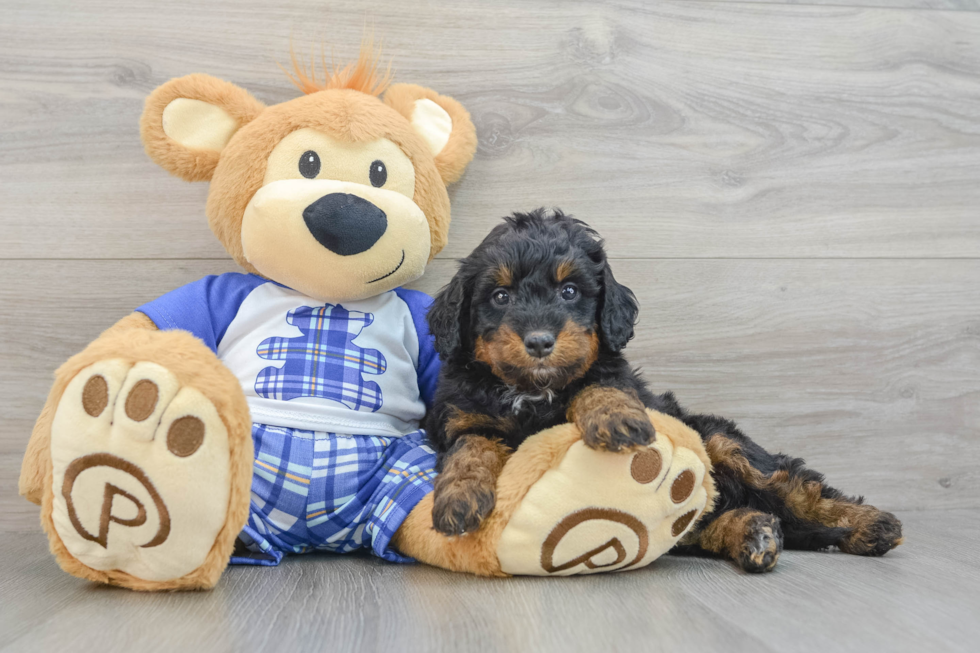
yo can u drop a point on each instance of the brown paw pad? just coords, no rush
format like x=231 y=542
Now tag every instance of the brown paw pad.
x=646 y=466
x=142 y=400
x=185 y=436
x=683 y=522
x=682 y=487
x=95 y=395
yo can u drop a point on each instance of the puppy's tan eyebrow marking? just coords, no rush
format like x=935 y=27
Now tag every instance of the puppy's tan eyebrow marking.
x=503 y=276
x=564 y=270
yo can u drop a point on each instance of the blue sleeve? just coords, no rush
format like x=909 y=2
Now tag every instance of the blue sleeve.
x=205 y=307
x=428 y=370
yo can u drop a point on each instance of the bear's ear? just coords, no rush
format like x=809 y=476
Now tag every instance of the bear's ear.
x=189 y=120
x=443 y=124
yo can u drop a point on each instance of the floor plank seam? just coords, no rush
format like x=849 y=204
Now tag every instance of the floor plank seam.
x=842 y=5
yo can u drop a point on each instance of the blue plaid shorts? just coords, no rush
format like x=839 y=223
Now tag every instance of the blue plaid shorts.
x=315 y=491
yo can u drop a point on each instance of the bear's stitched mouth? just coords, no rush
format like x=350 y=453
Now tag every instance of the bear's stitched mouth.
x=385 y=276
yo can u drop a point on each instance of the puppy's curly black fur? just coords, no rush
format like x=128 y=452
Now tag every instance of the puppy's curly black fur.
x=531 y=331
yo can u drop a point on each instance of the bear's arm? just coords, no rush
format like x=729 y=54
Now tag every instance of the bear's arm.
x=205 y=307
x=428 y=366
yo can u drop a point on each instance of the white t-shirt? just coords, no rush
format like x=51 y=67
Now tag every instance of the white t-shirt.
x=365 y=367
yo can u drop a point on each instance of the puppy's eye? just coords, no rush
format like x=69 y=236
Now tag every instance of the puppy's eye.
x=500 y=297
x=379 y=174
x=309 y=164
x=569 y=292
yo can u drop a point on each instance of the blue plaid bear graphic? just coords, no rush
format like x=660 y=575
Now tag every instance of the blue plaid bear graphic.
x=323 y=362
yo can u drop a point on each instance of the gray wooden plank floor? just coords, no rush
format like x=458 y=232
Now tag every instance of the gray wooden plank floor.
x=922 y=597
x=948 y=5
x=789 y=186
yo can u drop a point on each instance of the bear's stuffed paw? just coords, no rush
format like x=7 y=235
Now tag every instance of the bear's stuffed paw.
x=141 y=477
x=598 y=511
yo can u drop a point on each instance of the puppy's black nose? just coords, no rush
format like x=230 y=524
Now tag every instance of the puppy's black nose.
x=345 y=224
x=539 y=343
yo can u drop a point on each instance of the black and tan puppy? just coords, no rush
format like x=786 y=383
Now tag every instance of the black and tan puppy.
x=530 y=331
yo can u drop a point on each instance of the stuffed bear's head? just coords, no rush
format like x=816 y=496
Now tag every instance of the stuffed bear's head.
x=337 y=194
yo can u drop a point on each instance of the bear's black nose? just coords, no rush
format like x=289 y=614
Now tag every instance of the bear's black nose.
x=539 y=343
x=345 y=224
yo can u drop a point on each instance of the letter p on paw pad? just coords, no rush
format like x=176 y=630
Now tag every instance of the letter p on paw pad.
x=605 y=511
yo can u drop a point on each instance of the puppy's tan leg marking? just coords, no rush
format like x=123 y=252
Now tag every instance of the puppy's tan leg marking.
x=465 y=490
x=873 y=532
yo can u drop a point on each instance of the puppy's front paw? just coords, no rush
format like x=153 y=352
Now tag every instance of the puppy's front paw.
x=461 y=506
x=616 y=430
x=611 y=420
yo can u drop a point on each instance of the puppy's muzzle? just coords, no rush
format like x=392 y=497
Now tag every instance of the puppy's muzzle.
x=344 y=223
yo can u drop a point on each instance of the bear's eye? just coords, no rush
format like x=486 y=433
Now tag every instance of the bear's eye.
x=309 y=164
x=379 y=174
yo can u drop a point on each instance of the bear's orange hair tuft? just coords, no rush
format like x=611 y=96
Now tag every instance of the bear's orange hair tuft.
x=362 y=75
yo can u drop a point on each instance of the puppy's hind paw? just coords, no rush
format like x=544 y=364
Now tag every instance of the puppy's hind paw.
x=762 y=544
x=874 y=533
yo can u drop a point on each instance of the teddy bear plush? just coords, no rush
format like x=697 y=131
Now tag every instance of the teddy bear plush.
x=248 y=416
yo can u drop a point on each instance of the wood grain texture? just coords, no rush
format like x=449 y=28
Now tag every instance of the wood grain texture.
x=921 y=597
x=940 y=5
x=698 y=129
x=789 y=186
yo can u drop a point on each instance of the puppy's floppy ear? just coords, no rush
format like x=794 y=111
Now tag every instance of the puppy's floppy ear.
x=443 y=124
x=188 y=121
x=449 y=317
x=617 y=311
